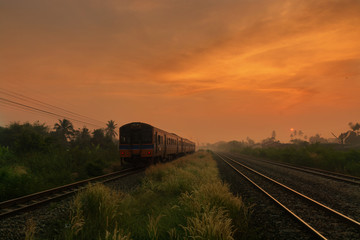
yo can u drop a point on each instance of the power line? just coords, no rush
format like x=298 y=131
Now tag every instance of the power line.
x=30 y=108
x=5 y=105
x=24 y=98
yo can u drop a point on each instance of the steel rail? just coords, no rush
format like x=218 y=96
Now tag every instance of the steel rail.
x=331 y=175
x=13 y=206
x=308 y=226
x=299 y=194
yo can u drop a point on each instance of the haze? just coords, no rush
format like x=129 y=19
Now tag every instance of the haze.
x=207 y=70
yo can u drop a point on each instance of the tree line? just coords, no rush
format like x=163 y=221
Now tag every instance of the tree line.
x=34 y=156
x=27 y=137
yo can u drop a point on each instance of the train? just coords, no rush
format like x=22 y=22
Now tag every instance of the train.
x=142 y=144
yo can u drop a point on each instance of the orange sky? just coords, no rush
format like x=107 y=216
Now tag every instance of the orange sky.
x=208 y=70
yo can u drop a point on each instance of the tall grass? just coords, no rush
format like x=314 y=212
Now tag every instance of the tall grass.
x=212 y=224
x=183 y=199
x=30 y=229
x=94 y=213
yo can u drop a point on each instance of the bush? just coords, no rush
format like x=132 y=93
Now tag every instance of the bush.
x=6 y=157
x=14 y=182
x=94 y=169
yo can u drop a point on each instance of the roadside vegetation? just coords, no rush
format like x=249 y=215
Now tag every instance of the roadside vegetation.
x=34 y=157
x=183 y=199
x=332 y=157
x=311 y=155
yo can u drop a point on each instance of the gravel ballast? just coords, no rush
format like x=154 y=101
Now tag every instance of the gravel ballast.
x=51 y=219
x=341 y=196
x=268 y=221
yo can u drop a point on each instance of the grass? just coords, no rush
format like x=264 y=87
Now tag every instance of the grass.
x=30 y=229
x=94 y=214
x=183 y=199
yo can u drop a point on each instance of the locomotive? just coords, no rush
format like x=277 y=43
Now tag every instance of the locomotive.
x=143 y=144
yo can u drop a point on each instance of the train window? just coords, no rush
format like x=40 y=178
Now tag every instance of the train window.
x=138 y=137
x=147 y=139
x=135 y=137
x=124 y=140
x=158 y=139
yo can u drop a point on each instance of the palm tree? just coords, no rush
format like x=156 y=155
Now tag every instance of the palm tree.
x=85 y=133
x=65 y=128
x=110 y=129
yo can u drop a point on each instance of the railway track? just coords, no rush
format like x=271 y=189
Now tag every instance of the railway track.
x=27 y=203
x=327 y=174
x=320 y=220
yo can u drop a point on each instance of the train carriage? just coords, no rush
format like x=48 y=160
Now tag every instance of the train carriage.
x=143 y=144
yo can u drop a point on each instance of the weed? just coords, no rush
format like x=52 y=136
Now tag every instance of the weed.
x=30 y=229
x=212 y=224
x=116 y=234
x=94 y=212
x=153 y=226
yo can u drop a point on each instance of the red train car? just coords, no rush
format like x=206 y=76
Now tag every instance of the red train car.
x=142 y=144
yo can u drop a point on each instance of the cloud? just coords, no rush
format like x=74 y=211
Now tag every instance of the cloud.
x=206 y=58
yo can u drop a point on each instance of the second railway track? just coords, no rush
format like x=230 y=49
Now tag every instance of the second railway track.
x=27 y=203
x=327 y=174
x=323 y=222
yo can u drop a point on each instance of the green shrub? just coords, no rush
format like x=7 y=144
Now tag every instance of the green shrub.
x=94 y=169
x=14 y=182
x=6 y=156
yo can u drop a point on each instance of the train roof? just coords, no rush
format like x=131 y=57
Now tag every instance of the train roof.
x=148 y=125
x=132 y=123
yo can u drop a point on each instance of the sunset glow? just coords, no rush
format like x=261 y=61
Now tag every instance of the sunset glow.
x=207 y=70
